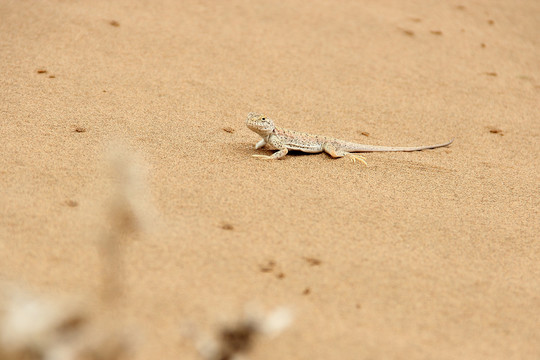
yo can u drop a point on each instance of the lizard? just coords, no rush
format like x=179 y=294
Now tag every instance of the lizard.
x=283 y=140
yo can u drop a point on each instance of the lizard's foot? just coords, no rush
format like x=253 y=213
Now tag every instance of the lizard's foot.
x=275 y=156
x=265 y=157
x=354 y=158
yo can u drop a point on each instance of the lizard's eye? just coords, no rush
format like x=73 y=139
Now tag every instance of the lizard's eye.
x=263 y=119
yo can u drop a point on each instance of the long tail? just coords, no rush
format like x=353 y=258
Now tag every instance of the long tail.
x=369 y=148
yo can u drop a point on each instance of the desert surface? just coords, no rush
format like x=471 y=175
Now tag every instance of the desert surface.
x=421 y=255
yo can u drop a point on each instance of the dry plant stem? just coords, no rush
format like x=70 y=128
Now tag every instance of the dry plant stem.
x=125 y=222
x=235 y=340
x=112 y=259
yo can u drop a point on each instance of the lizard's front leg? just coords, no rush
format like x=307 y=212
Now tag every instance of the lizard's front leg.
x=336 y=153
x=260 y=144
x=276 y=142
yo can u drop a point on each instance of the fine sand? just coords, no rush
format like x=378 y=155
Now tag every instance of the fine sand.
x=422 y=255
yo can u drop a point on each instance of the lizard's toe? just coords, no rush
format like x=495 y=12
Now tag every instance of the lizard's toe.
x=265 y=157
x=354 y=158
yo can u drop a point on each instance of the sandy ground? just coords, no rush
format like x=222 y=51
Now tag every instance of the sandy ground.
x=424 y=255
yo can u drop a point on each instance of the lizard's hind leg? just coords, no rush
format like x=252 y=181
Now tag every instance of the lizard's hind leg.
x=337 y=153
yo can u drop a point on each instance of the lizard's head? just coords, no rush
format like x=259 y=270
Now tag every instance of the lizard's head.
x=260 y=124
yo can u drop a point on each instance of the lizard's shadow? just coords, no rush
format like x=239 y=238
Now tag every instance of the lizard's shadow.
x=250 y=149
x=297 y=153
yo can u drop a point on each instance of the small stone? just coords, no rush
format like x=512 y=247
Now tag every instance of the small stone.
x=313 y=261
x=227 y=226
x=71 y=203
